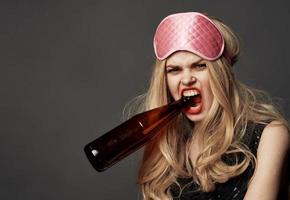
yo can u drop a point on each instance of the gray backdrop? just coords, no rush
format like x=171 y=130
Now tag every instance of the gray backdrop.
x=69 y=67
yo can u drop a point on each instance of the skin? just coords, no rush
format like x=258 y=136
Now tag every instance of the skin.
x=185 y=70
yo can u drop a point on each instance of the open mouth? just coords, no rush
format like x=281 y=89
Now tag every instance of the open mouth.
x=195 y=105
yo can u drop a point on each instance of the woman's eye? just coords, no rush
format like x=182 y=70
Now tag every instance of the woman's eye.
x=200 y=66
x=172 y=70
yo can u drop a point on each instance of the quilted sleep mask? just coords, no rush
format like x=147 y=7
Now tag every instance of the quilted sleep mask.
x=189 y=31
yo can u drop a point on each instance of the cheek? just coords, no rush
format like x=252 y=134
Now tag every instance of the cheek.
x=172 y=85
x=208 y=93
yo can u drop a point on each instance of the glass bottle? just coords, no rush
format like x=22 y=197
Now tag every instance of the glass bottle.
x=131 y=135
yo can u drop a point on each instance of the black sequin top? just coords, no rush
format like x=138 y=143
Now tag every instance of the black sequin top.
x=235 y=188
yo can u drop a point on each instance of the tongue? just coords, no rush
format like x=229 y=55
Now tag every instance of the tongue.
x=195 y=100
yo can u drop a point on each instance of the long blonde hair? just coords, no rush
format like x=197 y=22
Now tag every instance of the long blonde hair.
x=220 y=133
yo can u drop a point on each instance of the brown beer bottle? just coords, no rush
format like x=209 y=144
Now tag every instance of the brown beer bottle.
x=131 y=135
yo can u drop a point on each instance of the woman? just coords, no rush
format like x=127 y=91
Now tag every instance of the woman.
x=233 y=143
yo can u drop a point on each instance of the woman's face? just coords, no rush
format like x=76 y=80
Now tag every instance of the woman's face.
x=187 y=74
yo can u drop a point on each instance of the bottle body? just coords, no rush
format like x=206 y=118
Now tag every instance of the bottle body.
x=131 y=135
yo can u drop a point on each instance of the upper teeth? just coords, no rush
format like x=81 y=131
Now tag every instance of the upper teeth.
x=190 y=93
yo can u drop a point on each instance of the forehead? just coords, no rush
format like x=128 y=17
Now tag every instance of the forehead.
x=183 y=58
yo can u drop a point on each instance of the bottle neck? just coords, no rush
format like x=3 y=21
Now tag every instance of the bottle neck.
x=182 y=102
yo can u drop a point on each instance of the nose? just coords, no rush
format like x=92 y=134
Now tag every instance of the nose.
x=188 y=80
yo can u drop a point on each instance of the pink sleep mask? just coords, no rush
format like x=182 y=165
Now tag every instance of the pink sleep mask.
x=189 y=31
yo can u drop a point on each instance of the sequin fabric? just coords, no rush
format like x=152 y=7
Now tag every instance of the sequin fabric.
x=189 y=31
x=233 y=189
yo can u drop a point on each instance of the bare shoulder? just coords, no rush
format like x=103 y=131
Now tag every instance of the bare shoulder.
x=274 y=143
x=275 y=136
x=271 y=162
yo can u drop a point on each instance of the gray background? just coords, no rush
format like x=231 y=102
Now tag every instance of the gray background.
x=69 y=67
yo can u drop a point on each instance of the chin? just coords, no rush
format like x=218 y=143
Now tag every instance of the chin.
x=195 y=118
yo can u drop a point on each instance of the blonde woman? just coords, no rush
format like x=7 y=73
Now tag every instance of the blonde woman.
x=233 y=143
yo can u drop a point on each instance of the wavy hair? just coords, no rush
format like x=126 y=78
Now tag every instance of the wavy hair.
x=220 y=133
